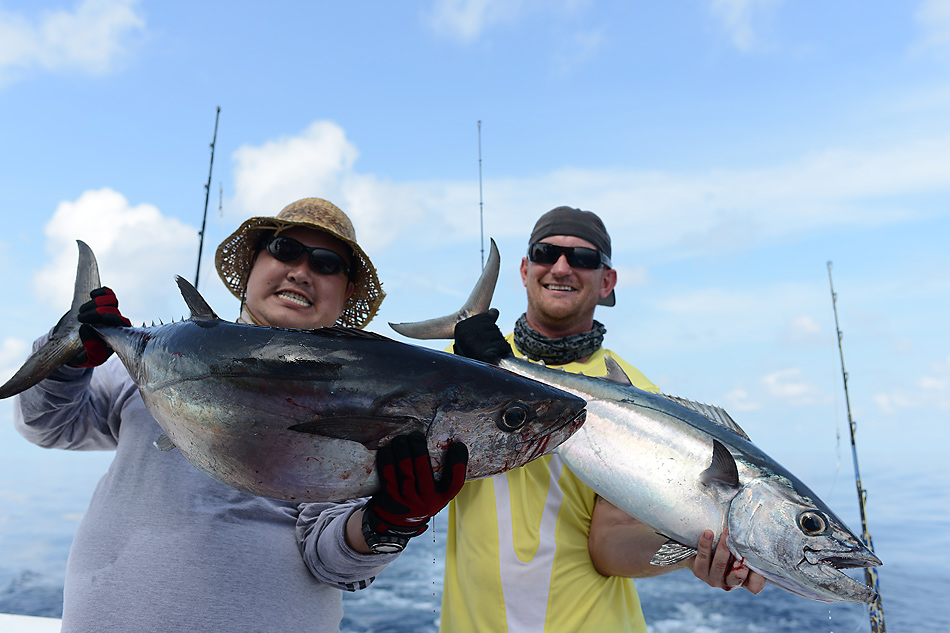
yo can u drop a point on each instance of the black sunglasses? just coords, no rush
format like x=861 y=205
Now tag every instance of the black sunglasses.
x=577 y=256
x=322 y=260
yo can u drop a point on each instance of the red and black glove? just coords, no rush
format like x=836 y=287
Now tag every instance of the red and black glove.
x=410 y=495
x=102 y=309
x=478 y=337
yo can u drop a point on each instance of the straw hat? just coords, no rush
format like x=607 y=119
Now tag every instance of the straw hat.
x=234 y=255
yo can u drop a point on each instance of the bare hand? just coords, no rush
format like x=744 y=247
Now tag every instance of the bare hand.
x=721 y=569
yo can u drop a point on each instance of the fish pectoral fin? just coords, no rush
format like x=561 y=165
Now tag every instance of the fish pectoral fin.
x=722 y=469
x=164 y=443
x=368 y=430
x=672 y=553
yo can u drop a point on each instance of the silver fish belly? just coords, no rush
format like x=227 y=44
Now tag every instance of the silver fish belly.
x=681 y=472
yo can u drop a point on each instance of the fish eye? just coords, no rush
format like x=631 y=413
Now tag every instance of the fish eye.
x=812 y=523
x=513 y=417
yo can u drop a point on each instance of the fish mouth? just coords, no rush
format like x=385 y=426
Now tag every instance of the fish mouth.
x=841 y=560
x=824 y=569
x=845 y=562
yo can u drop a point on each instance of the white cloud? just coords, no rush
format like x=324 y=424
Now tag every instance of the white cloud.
x=321 y=162
x=269 y=177
x=740 y=18
x=804 y=329
x=94 y=38
x=578 y=49
x=729 y=210
x=663 y=215
x=789 y=386
x=709 y=301
x=931 y=391
x=740 y=400
x=891 y=403
x=138 y=249
x=785 y=387
x=690 y=320
x=933 y=18
x=467 y=20
x=632 y=276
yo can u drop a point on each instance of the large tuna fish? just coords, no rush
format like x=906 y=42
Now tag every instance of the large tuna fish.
x=682 y=467
x=298 y=414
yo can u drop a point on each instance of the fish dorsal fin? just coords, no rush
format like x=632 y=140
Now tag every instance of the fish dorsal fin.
x=200 y=310
x=722 y=469
x=672 y=553
x=716 y=415
x=615 y=372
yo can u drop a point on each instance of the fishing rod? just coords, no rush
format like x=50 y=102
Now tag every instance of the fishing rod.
x=875 y=610
x=481 y=216
x=201 y=233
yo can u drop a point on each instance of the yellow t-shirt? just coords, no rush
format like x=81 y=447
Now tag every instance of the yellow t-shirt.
x=516 y=553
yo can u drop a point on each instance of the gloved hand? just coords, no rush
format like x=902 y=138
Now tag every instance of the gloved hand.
x=478 y=337
x=101 y=309
x=410 y=495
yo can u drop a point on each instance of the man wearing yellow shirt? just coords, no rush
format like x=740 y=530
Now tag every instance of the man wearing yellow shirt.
x=535 y=549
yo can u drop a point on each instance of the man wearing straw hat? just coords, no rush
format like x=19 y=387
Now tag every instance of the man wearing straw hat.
x=163 y=547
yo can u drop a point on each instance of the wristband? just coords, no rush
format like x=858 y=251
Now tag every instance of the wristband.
x=381 y=543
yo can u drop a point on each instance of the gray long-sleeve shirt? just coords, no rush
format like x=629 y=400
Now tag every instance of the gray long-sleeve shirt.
x=163 y=547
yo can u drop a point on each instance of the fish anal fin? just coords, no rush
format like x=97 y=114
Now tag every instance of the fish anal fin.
x=722 y=469
x=672 y=553
x=164 y=443
x=368 y=431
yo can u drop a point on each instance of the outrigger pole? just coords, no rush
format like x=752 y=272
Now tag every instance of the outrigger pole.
x=875 y=610
x=201 y=233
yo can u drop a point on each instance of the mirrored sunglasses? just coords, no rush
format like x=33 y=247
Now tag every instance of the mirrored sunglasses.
x=577 y=256
x=322 y=260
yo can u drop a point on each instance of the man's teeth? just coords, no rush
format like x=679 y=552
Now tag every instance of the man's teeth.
x=556 y=287
x=293 y=296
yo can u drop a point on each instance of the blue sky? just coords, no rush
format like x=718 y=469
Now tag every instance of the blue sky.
x=733 y=148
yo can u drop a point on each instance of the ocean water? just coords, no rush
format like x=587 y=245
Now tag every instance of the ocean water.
x=44 y=493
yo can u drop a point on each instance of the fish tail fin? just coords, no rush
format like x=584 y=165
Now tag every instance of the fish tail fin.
x=64 y=342
x=479 y=301
x=200 y=310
